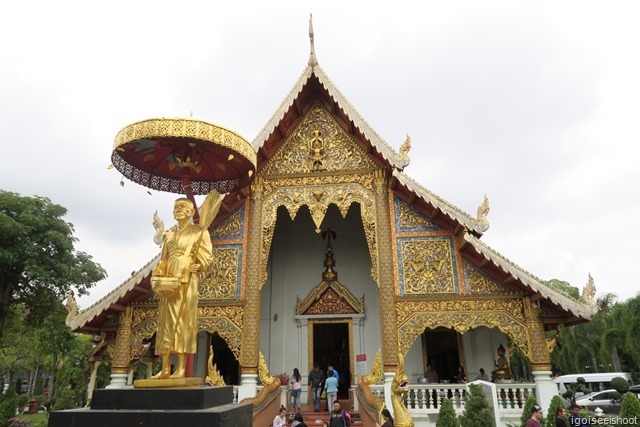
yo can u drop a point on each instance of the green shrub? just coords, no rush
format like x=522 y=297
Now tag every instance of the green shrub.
x=621 y=386
x=630 y=406
x=447 y=415
x=8 y=408
x=526 y=411
x=476 y=412
x=556 y=402
x=64 y=399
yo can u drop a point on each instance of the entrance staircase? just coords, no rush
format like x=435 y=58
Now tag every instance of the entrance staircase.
x=312 y=418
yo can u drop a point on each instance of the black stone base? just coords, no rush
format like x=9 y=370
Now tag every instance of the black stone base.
x=162 y=398
x=193 y=407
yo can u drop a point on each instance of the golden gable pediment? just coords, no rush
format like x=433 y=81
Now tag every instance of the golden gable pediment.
x=330 y=298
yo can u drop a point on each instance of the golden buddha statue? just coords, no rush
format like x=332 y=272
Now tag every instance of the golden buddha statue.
x=502 y=371
x=186 y=251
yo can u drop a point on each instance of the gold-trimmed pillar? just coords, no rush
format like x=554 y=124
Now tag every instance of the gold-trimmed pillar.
x=249 y=353
x=122 y=351
x=385 y=273
x=539 y=353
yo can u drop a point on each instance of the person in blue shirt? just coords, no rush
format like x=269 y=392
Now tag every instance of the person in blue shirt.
x=335 y=373
x=331 y=386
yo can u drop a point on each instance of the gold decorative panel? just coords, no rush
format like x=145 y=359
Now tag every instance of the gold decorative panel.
x=413 y=317
x=408 y=219
x=427 y=266
x=222 y=279
x=230 y=228
x=478 y=284
x=318 y=145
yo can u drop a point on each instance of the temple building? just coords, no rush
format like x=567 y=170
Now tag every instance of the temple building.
x=332 y=254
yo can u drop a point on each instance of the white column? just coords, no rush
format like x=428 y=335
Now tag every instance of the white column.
x=248 y=386
x=303 y=355
x=118 y=381
x=92 y=380
x=388 y=379
x=545 y=388
x=130 y=376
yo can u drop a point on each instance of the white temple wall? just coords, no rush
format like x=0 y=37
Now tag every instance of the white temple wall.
x=481 y=345
x=295 y=267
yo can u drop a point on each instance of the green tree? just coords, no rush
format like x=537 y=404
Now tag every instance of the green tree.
x=476 y=412
x=38 y=262
x=630 y=407
x=556 y=402
x=447 y=415
x=565 y=288
x=528 y=410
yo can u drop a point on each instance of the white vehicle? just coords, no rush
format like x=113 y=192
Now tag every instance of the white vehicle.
x=596 y=382
x=605 y=400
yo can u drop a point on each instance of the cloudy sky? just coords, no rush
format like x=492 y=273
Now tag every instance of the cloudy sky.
x=533 y=103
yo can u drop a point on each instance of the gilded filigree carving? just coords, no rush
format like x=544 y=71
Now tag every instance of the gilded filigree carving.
x=408 y=219
x=427 y=265
x=479 y=284
x=227 y=330
x=461 y=322
x=413 y=317
x=222 y=279
x=325 y=295
x=318 y=144
x=317 y=198
x=230 y=228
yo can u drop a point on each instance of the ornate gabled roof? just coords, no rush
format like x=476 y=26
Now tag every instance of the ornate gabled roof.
x=394 y=159
x=578 y=309
x=330 y=297
x=476 y=225
x=115 y=299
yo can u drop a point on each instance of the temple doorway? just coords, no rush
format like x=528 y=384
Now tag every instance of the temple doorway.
x=442 y=352
x=332 y=346
x=224 y=360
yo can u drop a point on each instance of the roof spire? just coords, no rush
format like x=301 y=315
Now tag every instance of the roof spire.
x=313 y=61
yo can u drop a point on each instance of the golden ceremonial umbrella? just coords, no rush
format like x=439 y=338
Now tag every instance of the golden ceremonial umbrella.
x=184 y=156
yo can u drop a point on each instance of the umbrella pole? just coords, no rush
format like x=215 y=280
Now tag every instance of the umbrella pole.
x=186 y=185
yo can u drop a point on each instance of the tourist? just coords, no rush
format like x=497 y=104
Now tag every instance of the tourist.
x=335 y=373
x=316 y=383
x=575 y=419
x=483 y=376
x=339 y=417
x=298 y=421
x=561 y=417
x=296 y=389
x=331 y=387
x=431 y=375
x=388 y=420
x=281 y=419
x=536 y=417
x=461 y=376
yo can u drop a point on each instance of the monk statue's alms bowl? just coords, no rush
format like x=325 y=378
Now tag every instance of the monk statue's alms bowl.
x=167 y=286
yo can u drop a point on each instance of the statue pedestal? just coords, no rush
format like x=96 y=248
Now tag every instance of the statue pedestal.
x=199 y=406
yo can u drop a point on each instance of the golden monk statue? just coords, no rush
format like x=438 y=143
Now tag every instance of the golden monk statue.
x=502 y=371
x=186 y=252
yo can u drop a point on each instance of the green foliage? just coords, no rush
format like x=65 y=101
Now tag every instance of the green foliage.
x=64 y=399
x=476 y=412
x=556 y=402
x=447 y=415
x=38 y=262
x=620 y=384
x=8 y=406
x=526 y=411
x=22 y=400
x=630 y=406
x=579 y=386
x=565 y=288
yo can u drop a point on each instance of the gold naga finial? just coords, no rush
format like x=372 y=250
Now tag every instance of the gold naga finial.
x=313 y=61
x=214 y=377
x=589 y=291
x=483 y=209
